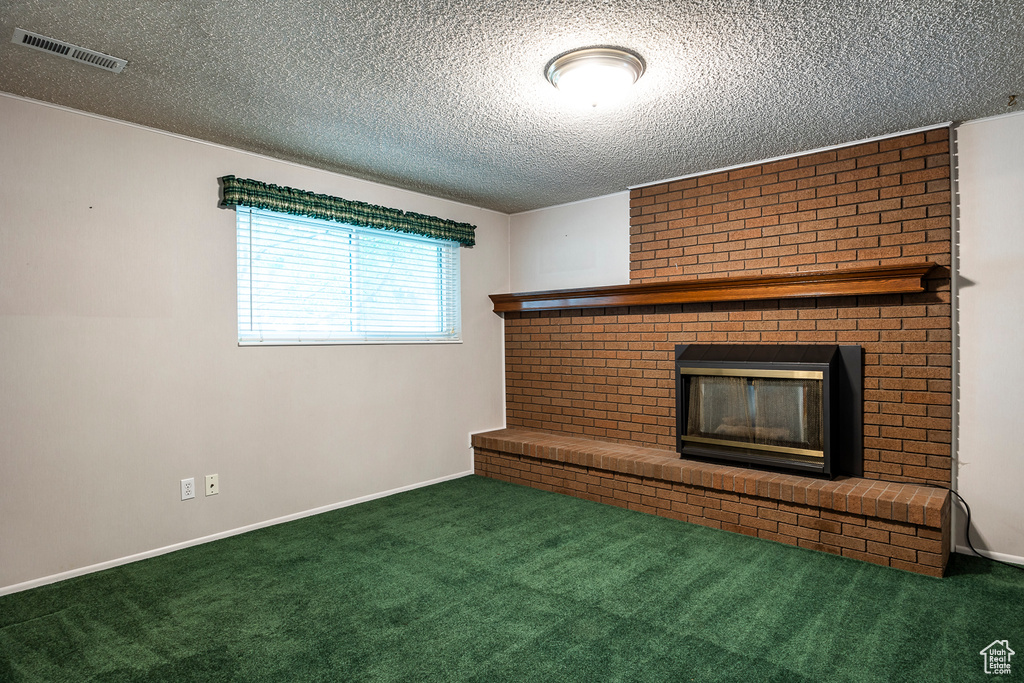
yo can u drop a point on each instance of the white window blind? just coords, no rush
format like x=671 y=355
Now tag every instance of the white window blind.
x=303 y=280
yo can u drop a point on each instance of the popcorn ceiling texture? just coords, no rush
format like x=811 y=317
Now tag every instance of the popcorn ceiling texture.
x=449 y=98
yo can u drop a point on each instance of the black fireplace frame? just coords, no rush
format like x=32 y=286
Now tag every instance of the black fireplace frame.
x=842 y=398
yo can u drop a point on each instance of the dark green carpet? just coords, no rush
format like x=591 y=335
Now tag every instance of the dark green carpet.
x=478 y=580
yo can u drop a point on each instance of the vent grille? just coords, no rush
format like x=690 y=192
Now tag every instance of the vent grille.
x=68 y=51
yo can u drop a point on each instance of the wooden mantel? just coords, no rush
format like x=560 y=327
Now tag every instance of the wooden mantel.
x=895 y=279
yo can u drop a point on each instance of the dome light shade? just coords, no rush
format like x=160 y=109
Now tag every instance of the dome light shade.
x=595 y=75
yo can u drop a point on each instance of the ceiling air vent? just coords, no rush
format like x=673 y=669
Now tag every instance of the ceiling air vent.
x=68 y=51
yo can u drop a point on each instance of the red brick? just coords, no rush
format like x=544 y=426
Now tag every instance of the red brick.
x=820 y=524
x=896 y=552
x=866 y=557
x=931 y=545
x=799 y=531
x=822 y=547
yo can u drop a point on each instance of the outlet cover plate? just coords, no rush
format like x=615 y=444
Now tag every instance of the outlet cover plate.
x=188 y=488
x=212 y=485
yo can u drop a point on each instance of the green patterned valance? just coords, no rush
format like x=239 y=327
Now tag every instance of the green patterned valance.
x=257 y=195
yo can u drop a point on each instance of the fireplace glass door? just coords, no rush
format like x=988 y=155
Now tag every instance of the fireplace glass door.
x=771 y=412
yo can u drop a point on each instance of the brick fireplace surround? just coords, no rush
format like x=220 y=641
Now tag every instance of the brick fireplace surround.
x=589 y=392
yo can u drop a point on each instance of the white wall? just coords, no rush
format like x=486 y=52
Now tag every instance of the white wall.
x=119 y=368
x=990 y=463
x=583 y=244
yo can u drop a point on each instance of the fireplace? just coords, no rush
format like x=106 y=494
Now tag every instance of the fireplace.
x=787 y=407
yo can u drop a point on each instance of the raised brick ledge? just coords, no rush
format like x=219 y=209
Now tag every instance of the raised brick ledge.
x=916 y=504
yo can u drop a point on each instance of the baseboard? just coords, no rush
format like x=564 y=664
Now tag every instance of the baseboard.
x=1002 y=557
x=54 y=578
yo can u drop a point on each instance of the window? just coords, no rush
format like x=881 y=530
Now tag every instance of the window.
x=307 y=280
x=317 y=269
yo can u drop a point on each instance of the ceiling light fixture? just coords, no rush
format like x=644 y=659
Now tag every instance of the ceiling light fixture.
x=595 y=75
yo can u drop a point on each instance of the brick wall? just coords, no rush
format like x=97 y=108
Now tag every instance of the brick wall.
x=608 y=373
x=869 y=204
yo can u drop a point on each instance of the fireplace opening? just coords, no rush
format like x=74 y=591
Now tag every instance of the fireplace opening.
x=765 y=413
x=780 y=407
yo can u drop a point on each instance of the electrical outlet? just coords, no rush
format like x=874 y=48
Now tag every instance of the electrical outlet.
x=188 y=488
x=212 y=485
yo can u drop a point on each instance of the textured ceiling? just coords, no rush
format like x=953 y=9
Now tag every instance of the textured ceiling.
x=448 y=97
